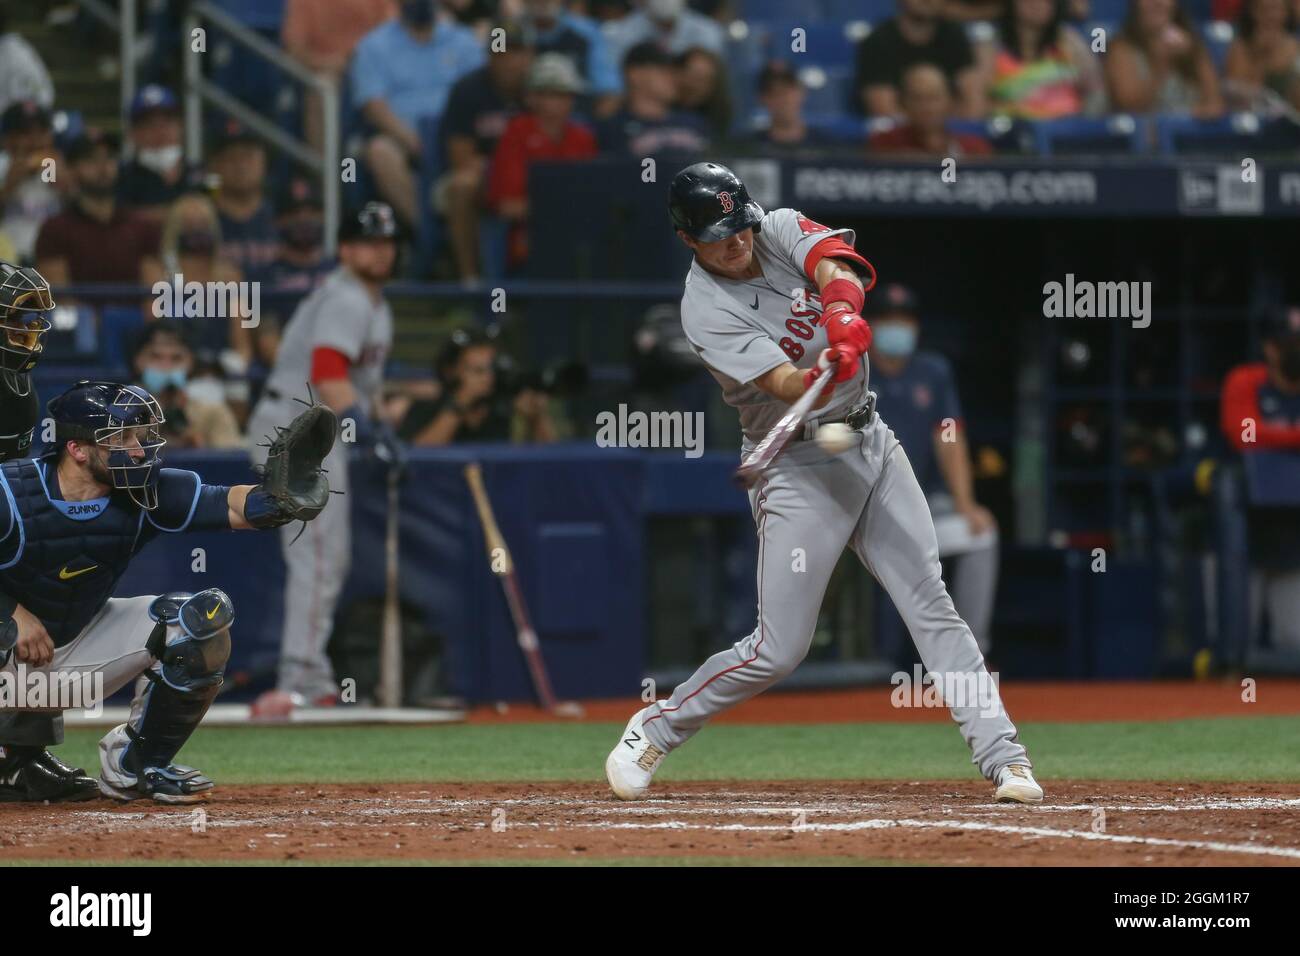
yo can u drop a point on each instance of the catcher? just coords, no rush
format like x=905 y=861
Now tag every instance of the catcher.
x=70 y=521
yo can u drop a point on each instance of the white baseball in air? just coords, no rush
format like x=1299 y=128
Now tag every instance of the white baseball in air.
x=835 y=437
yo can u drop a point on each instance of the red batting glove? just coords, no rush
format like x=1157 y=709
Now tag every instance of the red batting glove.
x=832 y=358
x=847 y=330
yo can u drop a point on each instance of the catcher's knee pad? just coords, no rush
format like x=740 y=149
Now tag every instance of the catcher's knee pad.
x=196 y=661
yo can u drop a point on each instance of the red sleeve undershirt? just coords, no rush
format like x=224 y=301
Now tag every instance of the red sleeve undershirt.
x=328 y=364
x=1241 y=401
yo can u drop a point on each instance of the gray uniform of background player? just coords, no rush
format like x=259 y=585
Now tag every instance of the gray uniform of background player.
x=339 y=315
x=811 y=504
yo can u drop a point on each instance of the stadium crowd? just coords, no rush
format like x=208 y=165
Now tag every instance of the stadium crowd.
x=507 y=83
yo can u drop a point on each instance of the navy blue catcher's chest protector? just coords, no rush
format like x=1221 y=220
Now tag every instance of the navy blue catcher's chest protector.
x=63 y=567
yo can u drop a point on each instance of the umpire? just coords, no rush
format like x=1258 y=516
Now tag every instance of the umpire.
x=27 y=770
x=338 y=339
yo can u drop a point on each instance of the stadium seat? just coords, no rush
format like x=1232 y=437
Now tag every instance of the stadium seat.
x=828 y=89
x=255 y=14
x=828 y=45
x=842 y=128
x=1080 y=135
x=873 y=11
x=745 y=51
x=1186 y=135
x=118 y=325
x=766 y=11
x=1006 y=135
x=1218 y=36
x=1114 y=10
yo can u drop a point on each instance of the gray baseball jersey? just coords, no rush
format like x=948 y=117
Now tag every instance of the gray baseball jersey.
x=743 y=328
x=811 y=504
x=338 y=315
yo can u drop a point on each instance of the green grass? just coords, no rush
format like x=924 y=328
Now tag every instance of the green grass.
x=1225 y=748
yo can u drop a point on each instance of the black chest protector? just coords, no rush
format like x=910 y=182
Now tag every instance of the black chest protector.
x=63 y=567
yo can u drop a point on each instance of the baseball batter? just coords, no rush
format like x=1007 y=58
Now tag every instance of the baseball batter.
x=338 y=340
x=770 y=299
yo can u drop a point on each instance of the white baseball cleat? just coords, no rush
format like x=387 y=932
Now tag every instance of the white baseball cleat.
x=1017 y=784
x=632 y=763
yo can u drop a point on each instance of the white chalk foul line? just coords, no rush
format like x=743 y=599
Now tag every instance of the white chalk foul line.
x=884 y=824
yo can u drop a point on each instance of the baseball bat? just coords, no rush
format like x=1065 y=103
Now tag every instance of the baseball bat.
x=390 y=645
x=774 y=442
x=503 y=566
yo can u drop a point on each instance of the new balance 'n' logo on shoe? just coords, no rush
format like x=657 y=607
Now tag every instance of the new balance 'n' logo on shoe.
x=632 y=763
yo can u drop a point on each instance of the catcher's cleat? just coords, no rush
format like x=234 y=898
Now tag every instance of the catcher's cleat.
x=37 y=776
x=173 y=784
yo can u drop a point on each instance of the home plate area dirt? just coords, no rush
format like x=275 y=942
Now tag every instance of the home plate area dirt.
x=937 y=822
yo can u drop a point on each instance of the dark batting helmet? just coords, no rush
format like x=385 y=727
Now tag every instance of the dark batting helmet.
x=374 y=220
x=708 y=202
x=126 y=421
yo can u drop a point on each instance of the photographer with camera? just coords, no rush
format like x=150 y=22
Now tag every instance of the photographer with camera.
x=482 y=397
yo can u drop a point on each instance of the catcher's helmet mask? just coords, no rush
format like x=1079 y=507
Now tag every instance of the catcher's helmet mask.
x=126 y=421
x=709 y=203
x=25 y=301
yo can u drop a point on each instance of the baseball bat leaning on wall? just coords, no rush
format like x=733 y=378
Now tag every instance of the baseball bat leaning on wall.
x=390 y=645
x=503 y=566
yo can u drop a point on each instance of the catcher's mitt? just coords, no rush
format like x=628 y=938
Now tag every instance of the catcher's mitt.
x=294 y=486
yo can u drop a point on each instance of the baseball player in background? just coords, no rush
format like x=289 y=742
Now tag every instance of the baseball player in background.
x=338 y=340
x=772 y=299
x=919 y=392
x=72 y=519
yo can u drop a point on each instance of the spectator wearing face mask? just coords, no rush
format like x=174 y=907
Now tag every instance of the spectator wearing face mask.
x=154 y=177
x=1260 y=412
x=163 y=363
x=301 y=263
x=94 y=239
x=27 y=199
x=237 y=161
x=917 y=395
x=191 y=250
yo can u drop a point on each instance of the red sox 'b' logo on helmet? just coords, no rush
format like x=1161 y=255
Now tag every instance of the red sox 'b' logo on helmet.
x=728 y=203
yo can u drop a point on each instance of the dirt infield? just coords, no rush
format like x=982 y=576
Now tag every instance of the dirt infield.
x=1082 y=823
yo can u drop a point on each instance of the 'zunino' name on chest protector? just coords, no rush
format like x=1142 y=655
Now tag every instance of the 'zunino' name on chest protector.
x=62 y=567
